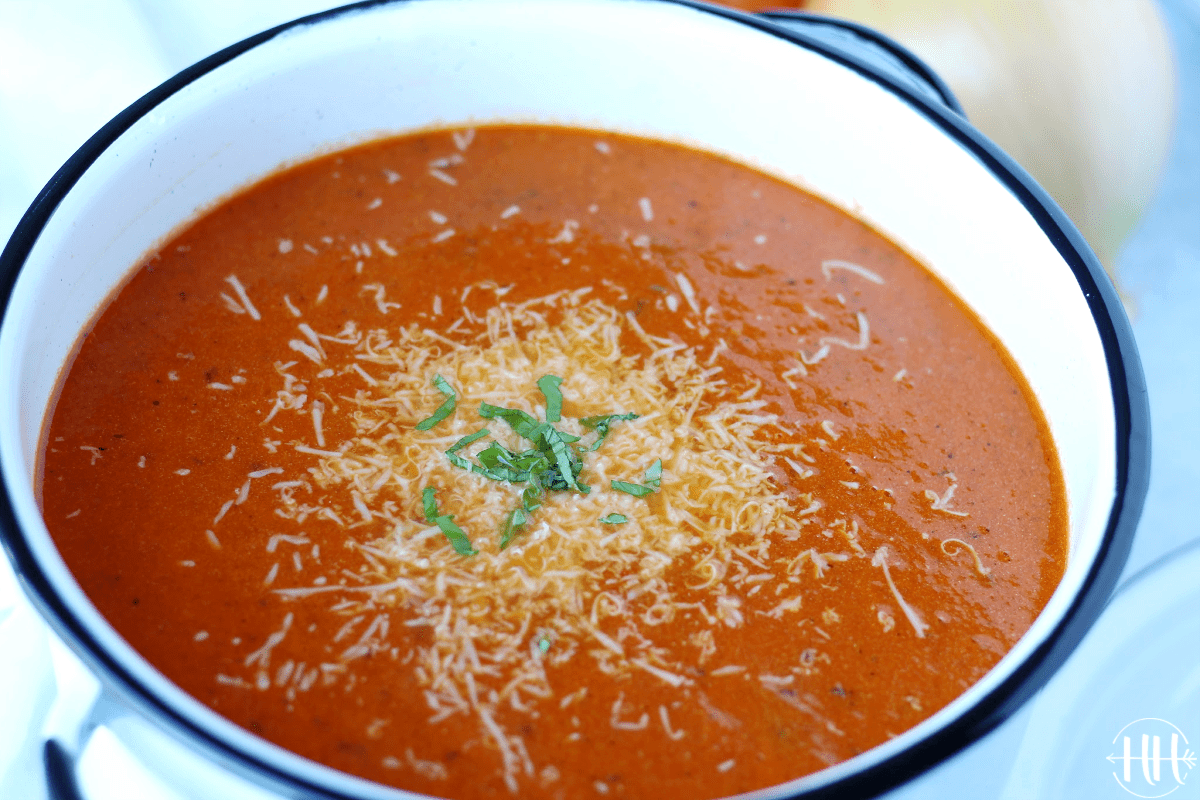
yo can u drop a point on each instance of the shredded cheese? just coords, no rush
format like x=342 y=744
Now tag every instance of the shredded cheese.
x=718 y=503
x=942 y=502
x=829 y=265
x=914 y=619
x=979 y=567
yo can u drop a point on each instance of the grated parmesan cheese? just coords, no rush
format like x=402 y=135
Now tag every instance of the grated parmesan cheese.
x=718 y=504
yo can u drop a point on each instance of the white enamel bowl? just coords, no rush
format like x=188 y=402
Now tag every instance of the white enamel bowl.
x=716 y=80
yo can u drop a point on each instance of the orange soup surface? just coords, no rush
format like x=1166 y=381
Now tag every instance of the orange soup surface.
x=528 y=461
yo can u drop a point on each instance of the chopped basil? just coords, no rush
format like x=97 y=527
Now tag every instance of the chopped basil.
x=517 y=518
x=430 y=503
x=569 y=438
x=452 y=452
x=459 y=461
x=531 y=500
x=521 y=423
x=652 y=477
x=568 y=467
x=635 y=489
x=614 y=519
x=549 y=385
x=601 y=425
x=552 y=463
x=532 y=497
x=501 y=464
x=466 y=440
x=457 y=538
x=445 y=409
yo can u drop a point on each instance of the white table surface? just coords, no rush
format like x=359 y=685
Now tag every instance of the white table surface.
x=67 y=66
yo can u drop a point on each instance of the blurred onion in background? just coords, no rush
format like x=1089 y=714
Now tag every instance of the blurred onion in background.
x=1080 y=92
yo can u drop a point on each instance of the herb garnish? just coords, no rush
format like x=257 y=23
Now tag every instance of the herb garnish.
x=549 y=386
x=601 y=425
x=652 y=478
x=445 y=409
x=458 y=539
x=552 y=463
x=653 y=474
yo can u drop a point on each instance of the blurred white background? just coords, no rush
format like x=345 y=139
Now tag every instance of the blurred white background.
x=1100 y=100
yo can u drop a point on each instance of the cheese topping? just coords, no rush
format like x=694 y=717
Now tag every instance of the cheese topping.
x=569 y=586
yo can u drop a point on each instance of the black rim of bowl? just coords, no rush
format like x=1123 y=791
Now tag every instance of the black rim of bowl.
x=1130 y=405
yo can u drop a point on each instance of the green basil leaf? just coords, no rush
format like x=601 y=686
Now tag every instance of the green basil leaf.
x=458 y=539
x=517 y=519
x=499 y=463
x=430 y=503
x=460 y=462
x=602 y=423
x=445 y=409
x=531 y=497
x=466 y=440
x=653 y=475
x=523 y=424
x=635 y=489
x=562 y=456
x=549 y=385
x=614 y=519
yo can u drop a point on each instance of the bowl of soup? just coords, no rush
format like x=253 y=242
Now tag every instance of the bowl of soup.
x=585 y=397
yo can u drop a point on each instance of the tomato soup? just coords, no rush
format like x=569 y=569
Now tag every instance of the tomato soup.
x=542 y=462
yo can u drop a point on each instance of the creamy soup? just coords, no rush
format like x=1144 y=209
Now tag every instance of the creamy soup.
x=540 y=462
